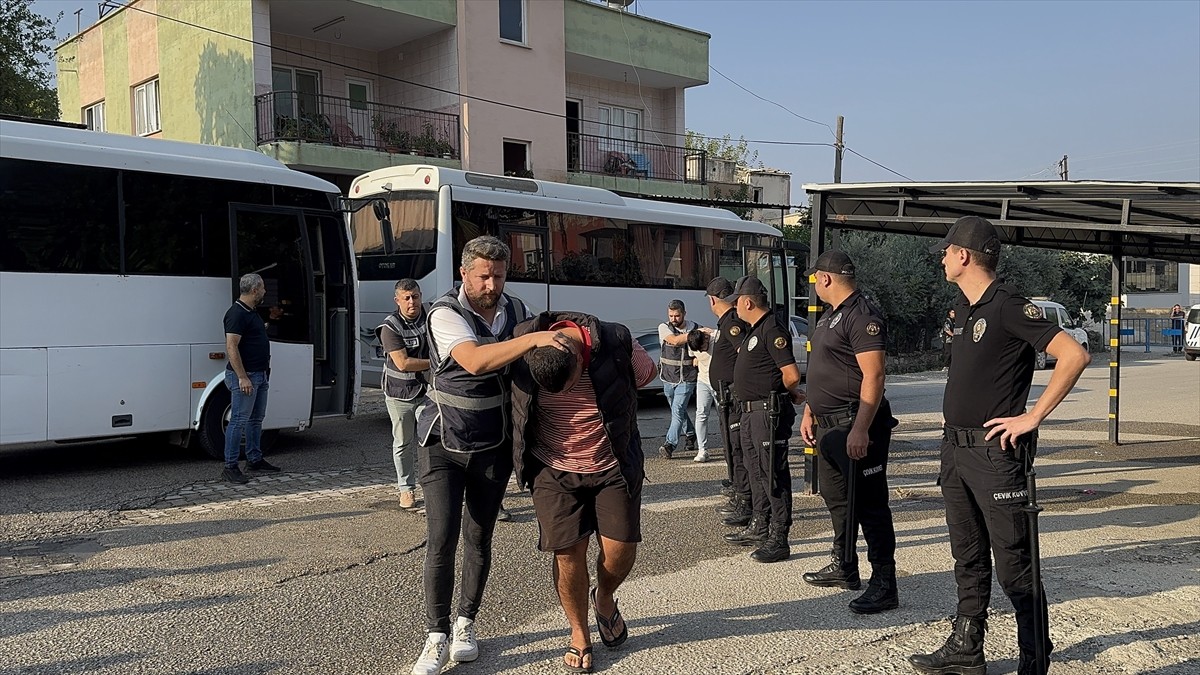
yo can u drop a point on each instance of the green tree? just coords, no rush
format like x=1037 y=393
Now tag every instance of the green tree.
x=724 y=147
x=26 y=52
x=1086 y=284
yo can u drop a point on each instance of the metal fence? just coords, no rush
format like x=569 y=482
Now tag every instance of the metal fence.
x=332 y=120
x=1152 y=332
x=588 y=153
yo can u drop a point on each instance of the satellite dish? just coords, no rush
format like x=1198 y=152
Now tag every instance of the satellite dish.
x=621 y=3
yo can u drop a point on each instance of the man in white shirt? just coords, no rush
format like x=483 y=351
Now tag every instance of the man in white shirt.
x=466 y=439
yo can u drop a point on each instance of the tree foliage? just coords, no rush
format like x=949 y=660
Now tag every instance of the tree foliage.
x=908 y=284
x=26 y=52
x=724 y=147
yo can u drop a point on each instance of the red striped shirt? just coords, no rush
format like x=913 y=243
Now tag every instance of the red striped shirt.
x=570 y=427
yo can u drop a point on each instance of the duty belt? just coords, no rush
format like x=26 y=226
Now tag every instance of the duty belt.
x=751 y=406
x=834 y=420
x=970 y=437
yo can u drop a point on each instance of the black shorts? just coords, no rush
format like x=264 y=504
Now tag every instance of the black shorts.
x=572 y=506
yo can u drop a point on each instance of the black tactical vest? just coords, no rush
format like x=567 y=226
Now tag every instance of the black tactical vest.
x=414 y=335
x=472 y=411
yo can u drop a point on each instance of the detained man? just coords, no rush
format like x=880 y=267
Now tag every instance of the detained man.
x=576 y=446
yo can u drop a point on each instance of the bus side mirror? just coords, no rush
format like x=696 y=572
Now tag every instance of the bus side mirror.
x=380 y=207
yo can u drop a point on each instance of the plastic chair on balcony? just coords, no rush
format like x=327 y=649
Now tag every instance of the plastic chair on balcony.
x=343 y=133
x=641 y=165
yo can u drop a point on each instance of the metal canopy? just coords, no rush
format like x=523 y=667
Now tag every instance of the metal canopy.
x=1148 y=220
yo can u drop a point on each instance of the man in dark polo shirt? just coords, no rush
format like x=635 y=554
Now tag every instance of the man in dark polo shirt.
x=246 y=375
x=989 y=440
x=731 y=331
x=850 y=423
x=766 y=382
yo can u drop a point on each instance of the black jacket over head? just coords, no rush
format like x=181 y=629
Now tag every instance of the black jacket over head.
x=611 y=371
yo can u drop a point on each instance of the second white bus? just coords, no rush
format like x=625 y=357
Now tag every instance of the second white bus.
x=573 y=247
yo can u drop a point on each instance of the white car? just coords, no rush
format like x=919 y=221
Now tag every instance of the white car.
x=1057 y=314
x=1191 y=334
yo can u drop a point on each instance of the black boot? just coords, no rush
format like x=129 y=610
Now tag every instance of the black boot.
x=1026 y=664
x=752 y=534
x=962 y=654
x=775 y=548
x=835 y=574
x=881 y=592
x=731 y=506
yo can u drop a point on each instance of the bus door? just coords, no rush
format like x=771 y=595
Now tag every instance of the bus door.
x=274 y=243
x=335 y=316
x=769 y=266
x=528 y=273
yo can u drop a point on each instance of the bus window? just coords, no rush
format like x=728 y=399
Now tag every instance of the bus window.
x=271 y=244
x=59 y=218
x=408 y=249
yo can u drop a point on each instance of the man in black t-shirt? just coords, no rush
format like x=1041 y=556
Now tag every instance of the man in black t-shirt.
x=766 y=382
x=850 y=423
x=246 y=374
x=988 y=445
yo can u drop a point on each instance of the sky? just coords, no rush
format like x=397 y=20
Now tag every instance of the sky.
x=940 y=90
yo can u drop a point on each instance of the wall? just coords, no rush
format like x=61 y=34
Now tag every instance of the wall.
x=531 y=76
x=431 y=60
x=207 y=80
x=333 y=78
x=662 y=119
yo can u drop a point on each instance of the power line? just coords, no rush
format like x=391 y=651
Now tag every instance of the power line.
x=767 y=100
x=853 y=151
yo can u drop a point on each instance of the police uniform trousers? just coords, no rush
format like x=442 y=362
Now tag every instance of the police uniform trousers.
x=769 y=474
x=730 y=415
x=870 y=492
x=985 y=491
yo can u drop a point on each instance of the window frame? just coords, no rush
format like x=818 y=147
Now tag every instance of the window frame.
x=524 y=41
x=98 y=106
x=141 y=120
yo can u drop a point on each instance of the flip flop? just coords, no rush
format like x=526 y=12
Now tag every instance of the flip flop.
x=581 y=653
x=606 y=624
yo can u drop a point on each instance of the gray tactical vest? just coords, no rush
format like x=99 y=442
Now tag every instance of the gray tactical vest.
x=401 y=384
x=471 y=412
x=674 y=364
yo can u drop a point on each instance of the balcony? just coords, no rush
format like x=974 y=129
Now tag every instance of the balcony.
x=588 y=153
x=606 y=42
x=330 y=120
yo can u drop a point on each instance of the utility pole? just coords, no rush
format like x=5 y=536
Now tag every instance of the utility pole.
x=839 y=150
x=77 y=24
x=1062 y=168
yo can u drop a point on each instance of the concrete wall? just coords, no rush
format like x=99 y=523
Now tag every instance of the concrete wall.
x=662 y=109
x=431 y=60
x=607 y=34
x=532 y=76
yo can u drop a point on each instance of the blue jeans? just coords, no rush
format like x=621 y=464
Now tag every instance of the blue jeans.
x=679 y=395
x=246 y=414
x=404 y=439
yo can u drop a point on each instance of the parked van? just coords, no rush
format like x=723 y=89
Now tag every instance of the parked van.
x=1191 y=333
x=1057 y=314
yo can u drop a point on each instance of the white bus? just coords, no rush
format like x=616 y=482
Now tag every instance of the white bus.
x=574 y=247
x=118 y=259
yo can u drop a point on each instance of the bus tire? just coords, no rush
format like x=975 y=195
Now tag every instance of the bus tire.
x=1190 y=357
x=211 y=435
x=1039 y=361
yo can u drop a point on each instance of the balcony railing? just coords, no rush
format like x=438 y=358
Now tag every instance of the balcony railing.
x=332 y=120
x=588 y=153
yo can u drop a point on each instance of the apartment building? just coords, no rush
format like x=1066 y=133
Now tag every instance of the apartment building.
x=574 y=91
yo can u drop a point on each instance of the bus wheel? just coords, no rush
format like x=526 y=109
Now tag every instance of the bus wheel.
x=1039 y=362
x=213 y=420
x=1190 y=357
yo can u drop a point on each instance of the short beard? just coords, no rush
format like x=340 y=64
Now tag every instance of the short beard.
x=484 y=301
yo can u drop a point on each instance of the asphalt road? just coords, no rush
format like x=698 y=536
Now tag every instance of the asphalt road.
x=130 y=557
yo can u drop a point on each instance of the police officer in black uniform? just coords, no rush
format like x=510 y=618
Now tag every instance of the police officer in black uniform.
x=850 y=423
x=988 y=445
x=731 y=331
x=766 y=382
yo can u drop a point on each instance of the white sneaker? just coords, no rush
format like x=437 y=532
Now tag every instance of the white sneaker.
x=464 y=647
x=701 y=457
x=434 y=656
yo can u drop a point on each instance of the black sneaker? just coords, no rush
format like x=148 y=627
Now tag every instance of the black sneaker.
x=262 y=465
x=689 y=443
x=666 y=450
x=234 y=475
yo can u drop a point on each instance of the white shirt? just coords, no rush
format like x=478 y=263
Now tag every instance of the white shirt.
x=450 y=329
x=703 y=361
